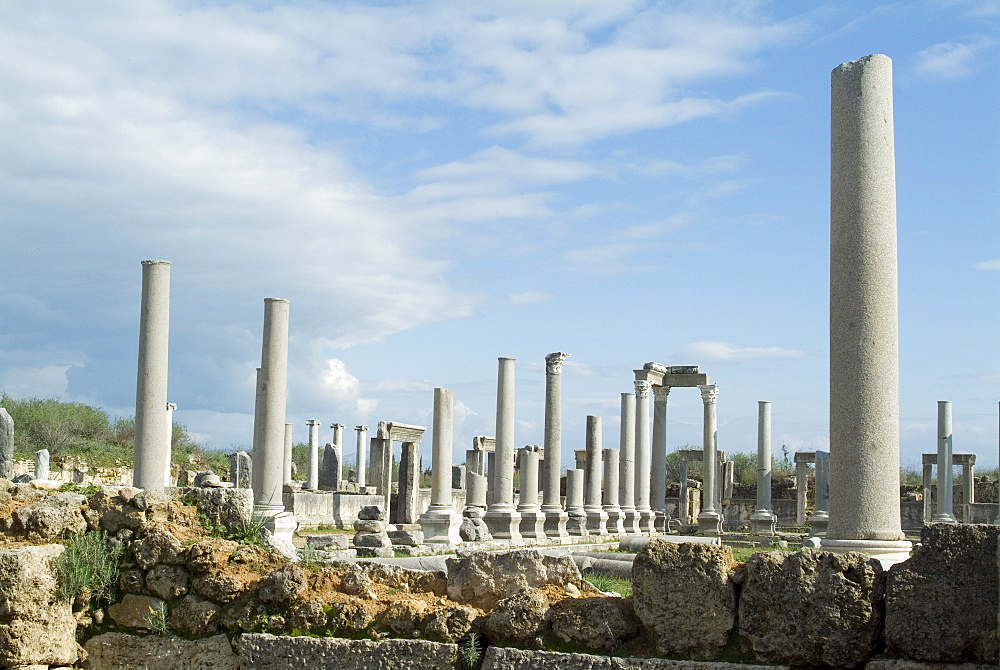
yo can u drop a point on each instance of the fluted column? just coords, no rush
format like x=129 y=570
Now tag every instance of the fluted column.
x=359 y=462
x=945 y=499
x=312 y=481
x=864 y=341
x=615 y=523
x=658 y=480
x=150 y=458
x=501 y=516
x=762 y=521
x=555 y=516
x=597 y=518
x=440 y=523
x=626 y=465
x=709 y=519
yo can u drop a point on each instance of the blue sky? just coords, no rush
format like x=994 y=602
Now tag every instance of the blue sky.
x=433 y=185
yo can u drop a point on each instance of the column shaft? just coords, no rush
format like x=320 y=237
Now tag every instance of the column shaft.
x=763 y=521
x=626 y=464
x=945 y=498
x=286 y=461
x=150 y=458
x=555 y=517
x=709 y=519
x=359 y=462
x=441 y=446
x=501 y=516
x=643 y=456
x=312 y=481
x=658 y=483
x=274 y=383
x=611 y=506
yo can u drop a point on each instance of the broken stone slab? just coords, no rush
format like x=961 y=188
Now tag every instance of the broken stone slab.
x=518 y=618
x=56 y=516
x=684 y=597
x=374 y=552
x=111 y=651
x=273 y=652
x=483 y=578
x=811 y=607
x=223 y=506
x=329 y=542
x=409 y=538
x=372 y=513
x=372 y=540
x=597 y=624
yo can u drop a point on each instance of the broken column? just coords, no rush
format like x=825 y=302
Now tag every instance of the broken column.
x=408 y=492
x=312 y=480
x=763 y=521
x=333 y=458
x=286 y=462
x=864 y=341
x=611 y=507
x=576 y=523
x=501 y=516
x=168 y=480
x=6 y=444
x=439 y=523
x=643 y=456
x=658 y=479
x=151 y=460
x=239 y=469
x=42 y=464
x=945 y=501
x=555 y=516
x=626 y=465
x=709 y=519
x=820 y=517
x=359 y=463
x=532 y=517
x=597 y=518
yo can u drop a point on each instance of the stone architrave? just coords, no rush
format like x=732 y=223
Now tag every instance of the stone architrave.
x=626 y=465
x=532 y=518
x=151 y=459
x=168 y=480
x=643 y=457
x=360 y=456
x=286 y=476
x=615 y=523
x=502 y=517
x=6 y=444
x=864 y=337
x=709 y=519
x=439 y=523
x=239 y=470
x=820 y=517
x=312 y=480
x=577 y=523
x=763 y=521
x=945 y=501
x=408 y=495
x=555 y=516
x=658 y=479
x=42 y=464
x=597 y=518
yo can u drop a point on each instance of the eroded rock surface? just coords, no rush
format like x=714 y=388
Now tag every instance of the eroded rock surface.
x=518 y=618
x=483 y=578
x=597 y=624
x=112 y=651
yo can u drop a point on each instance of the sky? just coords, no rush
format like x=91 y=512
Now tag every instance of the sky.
x=433 y=185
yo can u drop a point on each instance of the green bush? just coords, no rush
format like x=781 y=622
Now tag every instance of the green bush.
x=88 y=565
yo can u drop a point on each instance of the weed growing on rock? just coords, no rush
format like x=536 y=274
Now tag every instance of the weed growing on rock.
x=470 y=652
x=247 y=530
x=89 y=564
x=157 y=620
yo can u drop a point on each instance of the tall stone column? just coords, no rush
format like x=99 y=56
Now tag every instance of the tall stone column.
x=150 y=458
x=643 y=456
x=6 y=444
x=996 y=519
x=763 y=521
x=820 y=518
x=257 y=446
x=611 y=507
x=864 y=342
x=312 y=481
x=274 y=382
x=333 y=459
x=658 y=483
x=709 y=519
x=597 y=518
x=501 y=517
x=532 y=518
x=626 y=465
x=555 y=516
x=577 y=523
x=168 y=480
x=359 y=462
x=286 y=461
x=440 y=523
x=945 y=499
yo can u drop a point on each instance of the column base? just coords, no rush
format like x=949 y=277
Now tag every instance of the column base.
x=662 y=521
x=710 y=523
x=555 y=523
x=762 y=522
x=597 y=521
x=532 y=524
x=616 y=522
x=503 y=525
x=886 y=552
x=818 y=523
x=576 y=525
x=282 y=525
x=630 y=521
x=441 y=526
x=647 y=520
x=943 y=518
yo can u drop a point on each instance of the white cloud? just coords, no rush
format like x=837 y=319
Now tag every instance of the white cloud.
x=338 y=382
x=993 y=264
x=529 y=298
x=46 y=381
x=726 y=351
x=951 y=60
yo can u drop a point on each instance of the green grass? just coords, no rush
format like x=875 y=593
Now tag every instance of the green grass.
x=741 y=554
x=610 y=583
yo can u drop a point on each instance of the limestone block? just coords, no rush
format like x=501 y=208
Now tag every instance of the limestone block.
x=375 y=552
x=57 y=516
x=598 y=624
x=194 y=616
x=372 y=540
x=329 y=542
x=509 y=658
x=518 y=618
x=132 y=580
x=404 y=617
x=282 y=586
x=450 y=624
x=811 y=608
x=271 y=652
x=35 y=626
x=483 y=578
x=684 y=597
x=135 y=611
x=949 y=587
x=372 y=513
x=111 y=651
x=474 y=529
x=369 y=526
x=166 y=581
x=225 y=506
x=158 y=545
x=409 y=538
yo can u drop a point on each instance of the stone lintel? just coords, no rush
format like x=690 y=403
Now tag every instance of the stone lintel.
x=483 y=443
x=956 y=459
x=666 y=377
x=805 y=457
x=691 y=454
x=399 y=432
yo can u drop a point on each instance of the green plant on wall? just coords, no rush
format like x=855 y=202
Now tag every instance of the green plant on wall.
x=88 y=566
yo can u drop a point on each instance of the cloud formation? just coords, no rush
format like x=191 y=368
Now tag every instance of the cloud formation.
x=727 y=351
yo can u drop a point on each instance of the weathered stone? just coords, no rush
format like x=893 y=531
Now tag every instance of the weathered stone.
x=6 y=444
x=484 y=578
x=57 y=516
x=36 y=627
x=166 y=581
x=372 y=513
x=282 y=586
x=158 y=546
x=408 y=538
x=402 y=579
x=811 y=608
x=599 y=624
x=684 y=598
x=330 y=542
x=509 y=658
x=228 y=507
x=369 y=526
x=194 y=616
x=199 y=478
x=349 y=619
x=212 y=481
x=132 y=580
x=451 y=624
x=294 y=653
x=135 y=611
x=518 y=618
x=948 y=587
x=474 y=529
x=112 y=651
x=372 y=540
x=240 y=469
x=404 y=617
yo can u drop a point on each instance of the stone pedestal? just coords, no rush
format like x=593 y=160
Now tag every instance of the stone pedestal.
x=42 y=464
x=555 y=516
x=312 y=479
x=643 y=457
x=501 y=517
x=440 y=523
x=763 y=521
x=577 y=522
x=151 y=459
x=532 y=517
x=407 y=496
x=864 y=344
x=626 y=465
x=597 y=518
x=709 y=519
x=945 y=490
x=615 y=523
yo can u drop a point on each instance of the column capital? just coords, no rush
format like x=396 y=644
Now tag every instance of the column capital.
x=709 y=393
x=660 y=393
x=171 y=406
x=336 y=425
x=360 y=428
x=313 y=422
x=642 y=387
x=554 y=361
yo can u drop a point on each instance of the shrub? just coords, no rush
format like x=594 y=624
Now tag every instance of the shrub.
x=88 y=566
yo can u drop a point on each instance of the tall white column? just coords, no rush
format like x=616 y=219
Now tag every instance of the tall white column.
x=864 y=342
x=257 y=446
x=597 y=518
x=996 y=519
x=274 y=385
x=709 y=519
x=626 y=465
x=577 y=523
x=168 y=479
x=501 y=516
x=440 y=523
x=312 y=481
x=643 y=456
x=359 y=462
x=555 y=516
x=945 y=499
x=286 y=460
x=150 y=458
x=532 y=518
x=763 y=521
x=615 y=523
x=658 y=483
